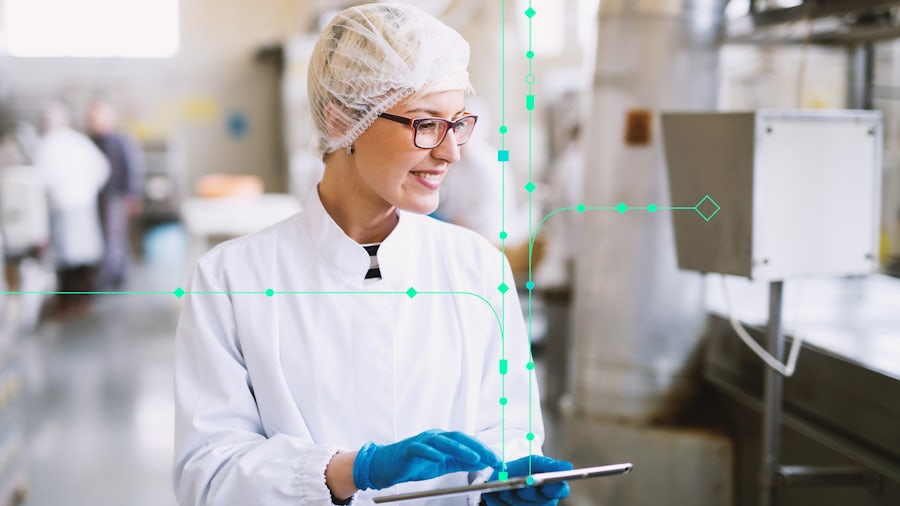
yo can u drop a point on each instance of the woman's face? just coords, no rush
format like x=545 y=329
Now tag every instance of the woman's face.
x=392 y=170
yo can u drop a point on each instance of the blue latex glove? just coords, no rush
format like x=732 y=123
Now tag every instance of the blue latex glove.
x=545 y=495
x=428 y=455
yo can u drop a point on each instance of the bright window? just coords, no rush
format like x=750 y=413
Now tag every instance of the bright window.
x=548 y=27
x=91 y=28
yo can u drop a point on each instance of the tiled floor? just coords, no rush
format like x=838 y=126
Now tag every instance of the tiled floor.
x=99 y=395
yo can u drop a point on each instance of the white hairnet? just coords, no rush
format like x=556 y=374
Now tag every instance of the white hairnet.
x=370 y=58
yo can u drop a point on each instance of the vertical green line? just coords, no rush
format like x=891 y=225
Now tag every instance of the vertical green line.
x=503 y=250
x=503 y=70
x=530 y=108
x=530 y=382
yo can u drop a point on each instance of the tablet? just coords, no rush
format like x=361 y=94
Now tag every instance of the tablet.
x=512 y=483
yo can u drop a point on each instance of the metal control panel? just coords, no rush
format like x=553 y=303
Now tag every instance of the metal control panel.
x=800 y=191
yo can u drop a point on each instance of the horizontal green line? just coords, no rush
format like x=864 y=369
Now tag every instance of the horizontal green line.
x=333 y=293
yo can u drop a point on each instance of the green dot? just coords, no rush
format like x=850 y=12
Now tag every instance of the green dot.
x=529 y=54
x=503 y=235
x=529 y=480
x=529 y=285
x=581 y=208
x=503 y=129
x=530 y=79
x=503 y=401
x=651 y=208
x=530 y=436
x=529 y=366
x=270 y=292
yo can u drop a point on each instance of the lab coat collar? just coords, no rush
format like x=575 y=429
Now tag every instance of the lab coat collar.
x=396 y=249
x=338 y=251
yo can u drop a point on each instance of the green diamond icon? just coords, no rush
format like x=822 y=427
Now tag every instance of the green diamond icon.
x=179 y=292
x=711 y=208
x=530 y=187
x=411 y=292
x=503 y=288
x=621 y=208
x=530 y=12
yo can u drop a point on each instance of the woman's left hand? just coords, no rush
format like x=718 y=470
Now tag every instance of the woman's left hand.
x=544 y=495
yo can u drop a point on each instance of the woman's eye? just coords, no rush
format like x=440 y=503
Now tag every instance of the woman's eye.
x=427 y=126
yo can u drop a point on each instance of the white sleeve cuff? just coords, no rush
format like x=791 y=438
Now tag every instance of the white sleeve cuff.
x=310 y=476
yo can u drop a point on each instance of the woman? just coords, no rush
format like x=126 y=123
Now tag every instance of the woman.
x=374 y=363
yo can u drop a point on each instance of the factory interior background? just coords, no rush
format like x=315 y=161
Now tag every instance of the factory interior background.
x=728 y=174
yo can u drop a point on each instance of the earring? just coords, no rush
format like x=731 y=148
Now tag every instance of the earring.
x=350 y=149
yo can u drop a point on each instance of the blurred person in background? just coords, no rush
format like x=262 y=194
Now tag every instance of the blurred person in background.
x=472 y=194
x=121 y=197
x=74 y=170
x=478 y=195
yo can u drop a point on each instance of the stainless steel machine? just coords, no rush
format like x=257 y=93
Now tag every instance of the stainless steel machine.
x=800 y=199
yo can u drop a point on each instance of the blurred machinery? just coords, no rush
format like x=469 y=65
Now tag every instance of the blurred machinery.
x=12 y=447
x=638 y=320
x=645 y=353
x=800 y=191
x=800 y=194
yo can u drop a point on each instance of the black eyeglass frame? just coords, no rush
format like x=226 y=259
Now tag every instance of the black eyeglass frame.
x=414 y=123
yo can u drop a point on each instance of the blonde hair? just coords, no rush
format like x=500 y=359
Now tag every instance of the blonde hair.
x=372 y=57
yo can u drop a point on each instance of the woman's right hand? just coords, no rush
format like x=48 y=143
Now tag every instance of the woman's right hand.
x=428 y=455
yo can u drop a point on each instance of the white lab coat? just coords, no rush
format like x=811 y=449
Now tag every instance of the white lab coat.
x=269 y=388
x=74 y=170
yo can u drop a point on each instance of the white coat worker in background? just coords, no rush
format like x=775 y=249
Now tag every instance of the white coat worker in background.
x=353 y=385
x=74 y=170
x=120 y=197
x=477 y=194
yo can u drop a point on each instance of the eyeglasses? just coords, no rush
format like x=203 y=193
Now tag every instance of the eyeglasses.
x=429 y=133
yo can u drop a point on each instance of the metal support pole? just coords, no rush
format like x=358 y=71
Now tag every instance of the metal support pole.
x=861 y=75
x=771 y=423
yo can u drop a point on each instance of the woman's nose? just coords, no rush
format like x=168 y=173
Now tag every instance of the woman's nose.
x=448 y=149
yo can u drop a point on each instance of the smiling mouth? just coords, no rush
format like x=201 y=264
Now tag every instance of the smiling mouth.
x=429 y=176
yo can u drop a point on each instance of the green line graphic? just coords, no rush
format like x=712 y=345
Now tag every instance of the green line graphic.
x=706 y=208
x=504 y=163
x=411 y=293
x=712 y=208
x=530 y=187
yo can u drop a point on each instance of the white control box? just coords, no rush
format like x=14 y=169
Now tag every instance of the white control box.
x=790 y=193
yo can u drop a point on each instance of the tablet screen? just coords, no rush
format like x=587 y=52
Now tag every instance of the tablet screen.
x=512 y=483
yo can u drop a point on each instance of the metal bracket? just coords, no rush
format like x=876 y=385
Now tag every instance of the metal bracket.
x=821 y=476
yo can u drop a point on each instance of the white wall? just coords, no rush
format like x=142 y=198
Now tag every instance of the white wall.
x=187 y=97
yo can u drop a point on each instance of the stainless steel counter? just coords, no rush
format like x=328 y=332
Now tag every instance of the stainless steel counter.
x=845 y=393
